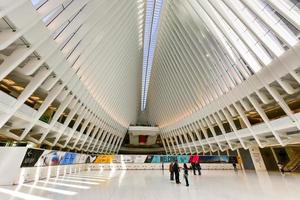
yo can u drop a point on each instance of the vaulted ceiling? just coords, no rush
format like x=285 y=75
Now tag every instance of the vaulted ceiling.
x=102 y=65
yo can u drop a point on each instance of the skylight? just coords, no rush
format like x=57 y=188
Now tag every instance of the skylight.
x=153 y=11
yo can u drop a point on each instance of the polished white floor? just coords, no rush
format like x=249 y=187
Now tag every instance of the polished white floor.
x=155 y=185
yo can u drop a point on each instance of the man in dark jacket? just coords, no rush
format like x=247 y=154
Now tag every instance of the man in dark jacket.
x=194 y=167
x=176 y=171
x=198 y=167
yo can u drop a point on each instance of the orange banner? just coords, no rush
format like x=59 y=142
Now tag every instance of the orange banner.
x=104 y=159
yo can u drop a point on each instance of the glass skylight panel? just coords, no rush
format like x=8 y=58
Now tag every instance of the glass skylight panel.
x=153 y=11
x=37 y=3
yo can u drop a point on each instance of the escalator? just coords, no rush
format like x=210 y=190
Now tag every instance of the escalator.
x=294 y=164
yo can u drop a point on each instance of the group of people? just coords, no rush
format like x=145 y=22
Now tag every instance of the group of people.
x=174 y=170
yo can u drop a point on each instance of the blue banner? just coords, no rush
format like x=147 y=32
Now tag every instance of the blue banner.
x=68 y=158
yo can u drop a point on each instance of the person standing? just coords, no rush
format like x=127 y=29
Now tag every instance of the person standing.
x=281 y=168
x=186 y=174
x=176 y=172
x=194 y=167
x=234 y=166
x=171 y=171
x=198 y=166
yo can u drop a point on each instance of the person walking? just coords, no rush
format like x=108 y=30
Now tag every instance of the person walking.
x=186 y=174
x=198 y=167
x=176 y=171
x=171 y=171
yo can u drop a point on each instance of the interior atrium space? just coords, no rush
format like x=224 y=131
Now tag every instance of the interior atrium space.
x=149 y=99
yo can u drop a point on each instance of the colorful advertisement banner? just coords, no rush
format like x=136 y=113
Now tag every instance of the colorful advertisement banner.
x=165 y=159
x=41 y=158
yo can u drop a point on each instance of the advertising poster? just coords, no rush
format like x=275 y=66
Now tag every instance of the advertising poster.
x=68 y=159
x=50 y=158
x=183 y=159
x=31 y=157
x=156 y=159
x=149 y=159
x=167 y=159
x=210 y=159
x=121 y=159
x=140 y=158
x=224 y=159
x=90 y=158
x=80 y=158
x=104 y=159
x=214 y=159
x=124 y=159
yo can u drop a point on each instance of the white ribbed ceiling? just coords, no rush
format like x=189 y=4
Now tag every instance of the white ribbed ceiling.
x=81 y=62
x=102 y=41
x=208 y=47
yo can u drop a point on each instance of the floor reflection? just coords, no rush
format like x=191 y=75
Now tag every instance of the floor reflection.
x=155 y=184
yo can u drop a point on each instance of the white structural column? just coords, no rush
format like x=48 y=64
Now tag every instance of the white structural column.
x=117 y=144
x=163 y=142
x=183 y=133
x=113 y=144
x=191 y=127
x=265 y=118
x=109 y=151
x=95 y=142
x=114 y=149
x=181 y=140
x=95 y=136
x=205 y=134
x=170 y=148
x=105 y=148
x=104 y=136
x=208 y=124
x=217 y=118
x=105 y=143
x=166 y=142
x=192 y=138
x=172 y=142
x=176 y=141
x=121 y=141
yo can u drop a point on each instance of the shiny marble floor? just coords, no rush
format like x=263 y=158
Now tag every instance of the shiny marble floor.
x=155 y=185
